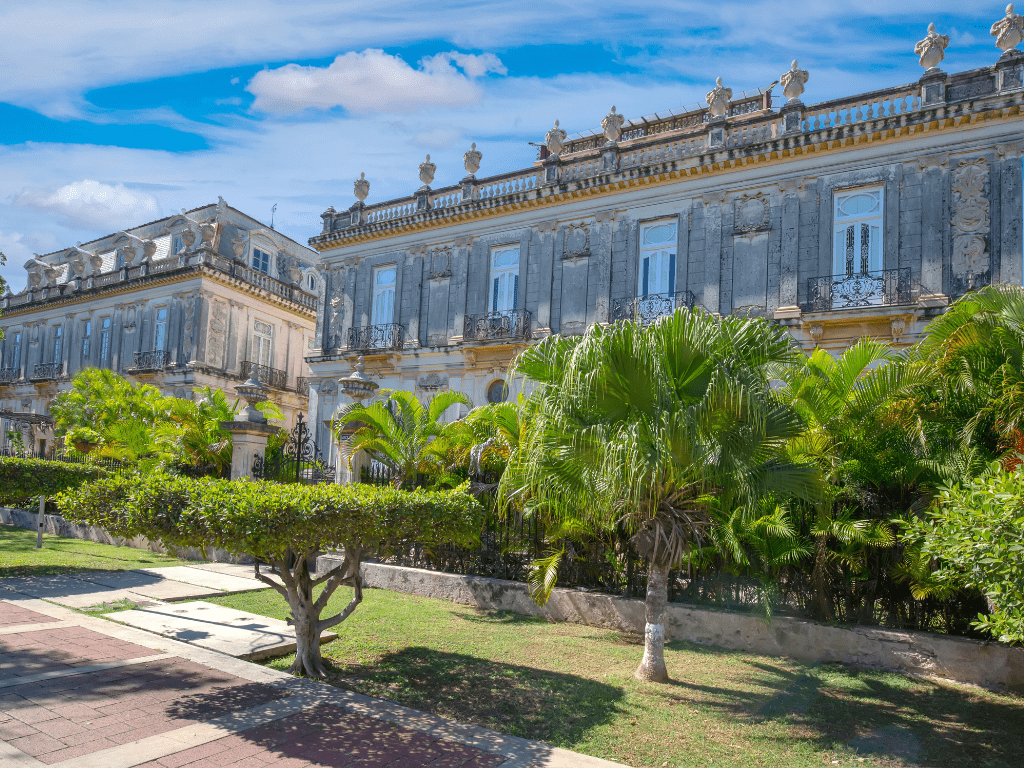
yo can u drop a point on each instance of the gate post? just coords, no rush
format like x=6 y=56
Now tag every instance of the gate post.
x=249 y=431
x=358 y=386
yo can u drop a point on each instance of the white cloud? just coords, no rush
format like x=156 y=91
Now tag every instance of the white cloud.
x=374 y=81
x=92 y=204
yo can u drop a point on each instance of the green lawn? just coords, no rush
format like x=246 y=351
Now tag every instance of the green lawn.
x=19 y=556
x=571 y=686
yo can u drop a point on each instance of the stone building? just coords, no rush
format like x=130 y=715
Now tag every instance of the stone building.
x=854 y=216
x=204 y=298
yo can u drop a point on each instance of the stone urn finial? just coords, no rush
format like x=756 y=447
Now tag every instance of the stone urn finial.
x=471 y=160
x=357 y=384
x=718 y=99
x=555 y=140
x=792 y=81
x=361 y=188
x=427 y=170
x=932 y=48
x=1008 y=31
x=612 y=125
x=253 y=393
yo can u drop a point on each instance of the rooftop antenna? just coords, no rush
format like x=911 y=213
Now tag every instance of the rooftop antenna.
x=272 y=215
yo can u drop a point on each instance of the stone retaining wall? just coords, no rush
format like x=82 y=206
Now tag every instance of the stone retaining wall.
x=58 y=526
x=991 y=665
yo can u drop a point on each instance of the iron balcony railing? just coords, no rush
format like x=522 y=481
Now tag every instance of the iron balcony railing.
x=382 y=337
x=267 y=376
x=302 y=385
x=151 y=360
x=502 y=324
x=8 y=375
x=48 y=372
x=886 y=287
x=647 y=309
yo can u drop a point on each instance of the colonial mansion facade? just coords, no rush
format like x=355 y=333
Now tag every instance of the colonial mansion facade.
x=854 y=216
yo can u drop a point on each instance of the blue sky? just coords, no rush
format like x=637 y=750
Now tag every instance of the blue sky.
x=130 y=111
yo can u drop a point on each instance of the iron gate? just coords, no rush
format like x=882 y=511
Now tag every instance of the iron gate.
x=299 y=461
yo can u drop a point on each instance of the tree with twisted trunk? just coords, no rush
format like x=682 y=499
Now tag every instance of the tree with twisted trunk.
x=651 y=429
x=285 y=525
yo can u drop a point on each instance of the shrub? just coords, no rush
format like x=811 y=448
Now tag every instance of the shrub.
x=285 y=525
x=22 y=480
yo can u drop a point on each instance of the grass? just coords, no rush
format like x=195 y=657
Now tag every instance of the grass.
x=572 y=686
x=19 y=556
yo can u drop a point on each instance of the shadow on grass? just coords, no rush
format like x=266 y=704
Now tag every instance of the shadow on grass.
x=521 y=701
x=500 y=617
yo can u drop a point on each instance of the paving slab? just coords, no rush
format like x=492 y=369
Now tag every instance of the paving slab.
x=232 y=569
x=66 y=591
x=200 y=577
x=150 y=586
x=226 y=630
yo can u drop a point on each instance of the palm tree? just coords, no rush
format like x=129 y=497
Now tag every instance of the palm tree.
x=862 y=431
x=396 y=430
x=651 y=429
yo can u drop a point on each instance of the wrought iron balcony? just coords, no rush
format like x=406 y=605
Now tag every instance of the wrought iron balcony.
x=48 y=372
x=371 y=337
x=8 y=375
x=503 y=324
x=153 y=360
x=647 y=309
x=887 y=287
x=302 y=386
x=267 y=376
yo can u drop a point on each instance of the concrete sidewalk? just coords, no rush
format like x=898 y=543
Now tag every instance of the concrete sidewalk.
x=78 y=691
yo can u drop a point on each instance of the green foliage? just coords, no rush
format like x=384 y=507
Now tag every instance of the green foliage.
x=973 y=537
x=269 y=520
x=22 y=480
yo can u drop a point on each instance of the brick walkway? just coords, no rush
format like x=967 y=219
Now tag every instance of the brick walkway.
x=88 y=693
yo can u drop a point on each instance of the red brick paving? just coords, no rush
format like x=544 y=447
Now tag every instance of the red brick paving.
x=68 y=717
x=12 y=614
x=50 y=650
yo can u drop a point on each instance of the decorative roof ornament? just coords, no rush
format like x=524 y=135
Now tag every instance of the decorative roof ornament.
x=612 y=125
x=357 y=384
x=1008 y=31
x=718 y=99
x=555 y=139
x=471 y=160
x=932 y=49
x=792 y=82
x=361 y=187
x=427 y=170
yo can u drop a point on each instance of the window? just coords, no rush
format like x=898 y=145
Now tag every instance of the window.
x=497 y=392
x=263 y=338
x=383 y=307
x=857 y=232
x=58 y=342
x=160 y=329
x=261 y=261
x=86 y=338
x=657 y=272
x=504 y=278
x=105 y=340
x=14 y=360
x=311 y=283
x=178 y=244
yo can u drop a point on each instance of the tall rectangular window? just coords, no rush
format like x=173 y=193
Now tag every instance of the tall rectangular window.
x=58 y=343
x=504 y=278
x=261 y=261
x=105 y=340
x=160 y=329
x=383 y=307
x=262 y=341
x=13 y=359
x=86 y=338
x=178 y=244
x=657 y=269
x=857 y=231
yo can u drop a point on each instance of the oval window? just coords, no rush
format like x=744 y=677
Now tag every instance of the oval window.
x=507 y=258
x=662 y=233
x=386 y=276
x=857 y=205
x=497 y=392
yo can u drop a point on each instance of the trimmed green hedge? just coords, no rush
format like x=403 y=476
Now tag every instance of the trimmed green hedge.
x=267 y=520
x=22 y=480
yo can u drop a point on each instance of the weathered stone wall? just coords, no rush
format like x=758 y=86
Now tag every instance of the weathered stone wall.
x=921 y=653
x=58 y=526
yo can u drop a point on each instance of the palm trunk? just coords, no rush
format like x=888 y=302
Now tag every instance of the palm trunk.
x=652 y=666
x=819 y=579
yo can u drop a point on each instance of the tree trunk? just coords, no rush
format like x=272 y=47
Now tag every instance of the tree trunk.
x=652 y=667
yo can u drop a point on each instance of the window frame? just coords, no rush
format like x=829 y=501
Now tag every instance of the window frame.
x=106 y=325
x=257 y=337
x=253 y=260
x=86 y=337
x=644 y=252
x=495 y=274
x=376 y=290
x=58 y=343
x=158 y=324
x=841 y=224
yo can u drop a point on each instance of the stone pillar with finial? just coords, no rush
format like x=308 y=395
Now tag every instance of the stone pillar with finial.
x=471 y=162
x=554 y=140
x=792 y=111
x=249 y=430
x=427 y=170
x=361 y=188
x=359 y=387
x=1009 y=33
x=932 y=50
x=718 y=99
x=611 y=126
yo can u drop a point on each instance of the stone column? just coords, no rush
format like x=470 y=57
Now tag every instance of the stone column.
x=712 y=294
x=459 y=287
x=789 y=264
x=934 y=218
x=545 y=276
x=1011 y=200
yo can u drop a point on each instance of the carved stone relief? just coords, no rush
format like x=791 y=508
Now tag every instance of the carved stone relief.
x=441 y=263
x=215 y=339
x=188 y=327
x=752 y=213
x=432 y=382
x=970 y=218
x=577 y=241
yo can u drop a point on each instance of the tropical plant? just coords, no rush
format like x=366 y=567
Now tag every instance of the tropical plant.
x=396 y=431
x=285 y=525
x=653 y=430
